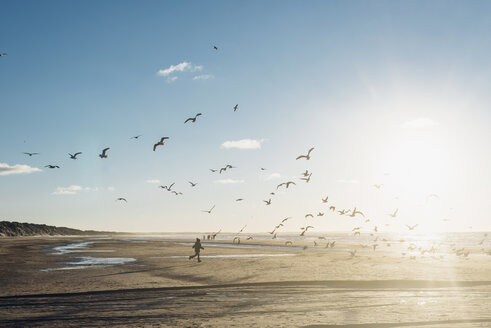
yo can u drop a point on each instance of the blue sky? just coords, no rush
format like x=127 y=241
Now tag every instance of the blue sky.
x=376 y=86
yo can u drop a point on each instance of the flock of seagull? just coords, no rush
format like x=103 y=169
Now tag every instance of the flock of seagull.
x=306 y=177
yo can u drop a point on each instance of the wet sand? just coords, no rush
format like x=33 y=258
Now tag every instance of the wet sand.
x=260 y=287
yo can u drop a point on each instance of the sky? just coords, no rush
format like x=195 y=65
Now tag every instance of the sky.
x=387 y=92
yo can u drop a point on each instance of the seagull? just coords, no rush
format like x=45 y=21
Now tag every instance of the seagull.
x=239 y=199
x=307 y=157
x=235 y=107
x=375 y=229
x=193 y=184
x=320 y=214
x=342 y=212
x=353 y=252
x=307 y=215
x=324 y=200
x=307 y=180
x=3 y=54
x=306 y=173
x=136 y=137
x=192 y=119
x=74 y=156
x=378 y=186
x=122 y=199
x=242 y=229
x=209 y=212
x=285 y=219
x=263 y=169
x=286 y=184
x=411 y=227
x=160 y=143
x=213 y=170
x=332 y=208
x=394 y=214
x=52 y=166
x=215 y=47
x=176 y=193
x=272 y=193
x=356 y=212
x=103 y=154
x=304 y=229
x=31 y=154
x=268 y=202
x=168 y=188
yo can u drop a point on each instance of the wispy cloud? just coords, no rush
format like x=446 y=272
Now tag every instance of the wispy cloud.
x=74 y=189
x=203 y=77
x=229 y=181
x=422 y=122
x=153 y=181
x=242 y=144
x=273 y=176
x=6 y=169
x=181 y=67
x=71 y=190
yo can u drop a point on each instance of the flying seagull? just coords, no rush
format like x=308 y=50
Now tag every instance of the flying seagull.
x=122 y=199
x=239 y=199
x=268 y=202
x=136 y=137
x=31 y=154
x=324 y=200
x=3 y=54
x=307 y=157
x=307 y=180
x=74 y=156
x=168 y=188
x=307 y=215
x=52 y=166
x=286 y=184
x=160 y=143
x=394 y=214
x=209 y=212
x=215 y=47
x=235 y=107
x=378 y=186
x=192 y=119
x=411 y=227
x=103 y=154
x=176 y=193
x=193 y=184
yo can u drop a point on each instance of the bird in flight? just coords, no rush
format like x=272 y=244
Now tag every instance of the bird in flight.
x=306 y=173
x=74 y=156
x=176 y=193
x=332 y=208
x=52 y=166
x=354 y=212
x=103 y=154
x=394 y=214
x=411 y=227
x=235 y=107
x=215 y=47
x=378 y=186
x=239 y=199
x=192 y=119
x=209 y=212
x=136 y=137
x=213 y=170
x=263 y=169
x=268 y=202
x=286 y=184
x=320 y=214
x=121 y=199
x=160 y=143
x=3 y=54
x=307 y=157
x=168 y=188
x=285 y=219
x=324 y=200
x=309 y=215
x=31 y=154
x=304 y=229
x=307 y=180
x=193 y=184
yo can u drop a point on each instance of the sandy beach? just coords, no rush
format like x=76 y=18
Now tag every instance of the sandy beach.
x=132 y=281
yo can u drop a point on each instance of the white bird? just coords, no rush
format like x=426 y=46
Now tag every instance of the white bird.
x=209 y=212
x=393 y=214
x=192 y=119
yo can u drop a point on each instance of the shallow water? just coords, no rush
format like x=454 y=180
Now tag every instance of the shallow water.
x=225 y=256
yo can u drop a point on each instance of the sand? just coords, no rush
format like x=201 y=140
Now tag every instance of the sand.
x=236 y=287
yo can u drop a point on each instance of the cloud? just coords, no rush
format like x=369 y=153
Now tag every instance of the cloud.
x=242 y=144
x=181 y=67
x=352 y=181
x=203 y=77
x=422 y=122
x=72 y=190
x=6 y=169
x=273 y=176
x=229 y=181
x=153 y=181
